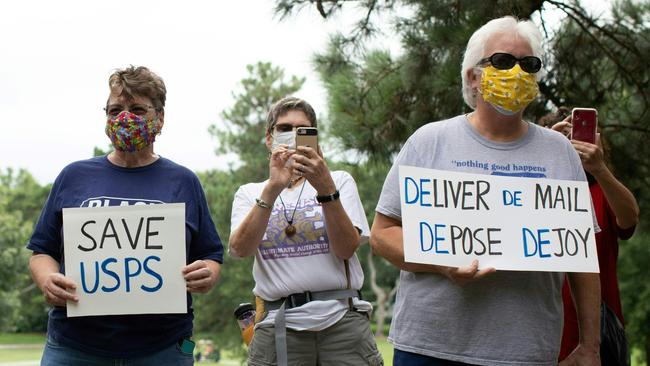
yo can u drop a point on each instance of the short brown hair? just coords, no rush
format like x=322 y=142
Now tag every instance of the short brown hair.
x=551 y=118
x=139 y=81
x=286 y=104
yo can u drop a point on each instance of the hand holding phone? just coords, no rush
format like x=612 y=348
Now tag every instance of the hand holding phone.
x=584 y=124
x=307 y=136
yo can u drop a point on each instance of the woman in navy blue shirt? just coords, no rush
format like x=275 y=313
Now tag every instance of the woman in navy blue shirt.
x=132 y=174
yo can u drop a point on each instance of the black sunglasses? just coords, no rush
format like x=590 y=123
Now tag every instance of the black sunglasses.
x=506 y=61
x=285 y=127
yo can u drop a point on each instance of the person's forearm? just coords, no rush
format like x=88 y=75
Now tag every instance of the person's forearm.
x=41 y=266
x=246 y=239
x=343 y=236
x=386 y=241
x=585 y=288
x=620 y=199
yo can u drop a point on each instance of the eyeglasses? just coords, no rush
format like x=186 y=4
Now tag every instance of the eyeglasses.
x=285 y=127
x=506 y=61
x=137 y=109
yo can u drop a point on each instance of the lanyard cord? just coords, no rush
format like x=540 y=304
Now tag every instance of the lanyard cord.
x=284 y=208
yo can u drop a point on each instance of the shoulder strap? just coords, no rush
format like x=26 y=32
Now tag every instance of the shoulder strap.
x=347 y=277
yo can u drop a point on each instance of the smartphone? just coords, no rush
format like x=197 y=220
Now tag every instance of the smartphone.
x=307 y=136
x=585 y=122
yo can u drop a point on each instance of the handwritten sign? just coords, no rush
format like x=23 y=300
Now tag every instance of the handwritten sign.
x=126 y=260
x=509 y=223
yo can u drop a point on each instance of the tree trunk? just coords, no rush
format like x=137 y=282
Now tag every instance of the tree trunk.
x=380 y=314
x=383 y=297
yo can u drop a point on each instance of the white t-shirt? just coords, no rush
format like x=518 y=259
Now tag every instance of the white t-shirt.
x=303 y=262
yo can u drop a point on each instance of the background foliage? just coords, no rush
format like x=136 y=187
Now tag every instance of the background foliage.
x=375 y=100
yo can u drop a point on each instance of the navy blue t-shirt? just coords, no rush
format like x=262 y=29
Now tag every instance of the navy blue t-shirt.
x=97 y=182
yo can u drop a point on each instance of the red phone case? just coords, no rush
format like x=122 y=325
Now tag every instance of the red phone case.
x=584 y=121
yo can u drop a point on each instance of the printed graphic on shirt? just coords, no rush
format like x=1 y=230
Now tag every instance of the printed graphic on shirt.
x=310 y=237
x=105 y=201
x=504 y=169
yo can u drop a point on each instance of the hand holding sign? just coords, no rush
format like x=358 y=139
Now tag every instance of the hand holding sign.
x=56 y=289
x=466 y=274
x=201 y=275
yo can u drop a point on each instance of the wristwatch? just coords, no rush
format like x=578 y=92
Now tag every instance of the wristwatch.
x=328 y=198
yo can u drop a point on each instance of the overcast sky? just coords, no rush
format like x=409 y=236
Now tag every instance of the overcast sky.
x=56 y=56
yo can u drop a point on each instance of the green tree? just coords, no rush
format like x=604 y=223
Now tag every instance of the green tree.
x=21 y=303
x=600 y=64
x=24 y=195
x=98 y=151
x=381 y=278
x=635 y=290
x=214 y=311
x=244 y=124
x=242 y=133
x=377 y=99
x=13 y=259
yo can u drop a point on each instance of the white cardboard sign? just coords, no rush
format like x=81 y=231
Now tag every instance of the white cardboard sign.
x=509 y=223
x=126 y=259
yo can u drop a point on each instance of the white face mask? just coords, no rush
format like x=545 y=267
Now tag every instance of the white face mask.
x=287 y=138
x=505 y=112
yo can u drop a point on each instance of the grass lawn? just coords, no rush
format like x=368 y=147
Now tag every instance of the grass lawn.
x=28 y=354
x=22 y=338
x=32 y=347
x=38 y=340
x=23 y=354
x=386 y=350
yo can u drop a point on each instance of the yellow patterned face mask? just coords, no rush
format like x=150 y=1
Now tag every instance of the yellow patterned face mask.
x=508 y=91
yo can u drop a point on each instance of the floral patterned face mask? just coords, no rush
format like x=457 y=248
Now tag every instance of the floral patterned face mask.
x=508 y=91
x=130 y=132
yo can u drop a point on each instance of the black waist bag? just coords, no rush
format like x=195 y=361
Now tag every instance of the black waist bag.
x=613 y=344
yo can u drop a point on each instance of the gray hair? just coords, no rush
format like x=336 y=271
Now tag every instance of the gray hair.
x=476 y=47
x=284 y=106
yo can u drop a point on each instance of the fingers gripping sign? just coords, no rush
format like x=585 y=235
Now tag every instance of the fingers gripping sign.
x=199 y=277
x=466 y=274
x=59 y=289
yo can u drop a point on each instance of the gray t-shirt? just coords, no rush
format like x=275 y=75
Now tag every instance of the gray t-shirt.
x=506 y=318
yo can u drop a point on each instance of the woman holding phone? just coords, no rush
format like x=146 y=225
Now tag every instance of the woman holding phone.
x=617 y=213
x=303 y=225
